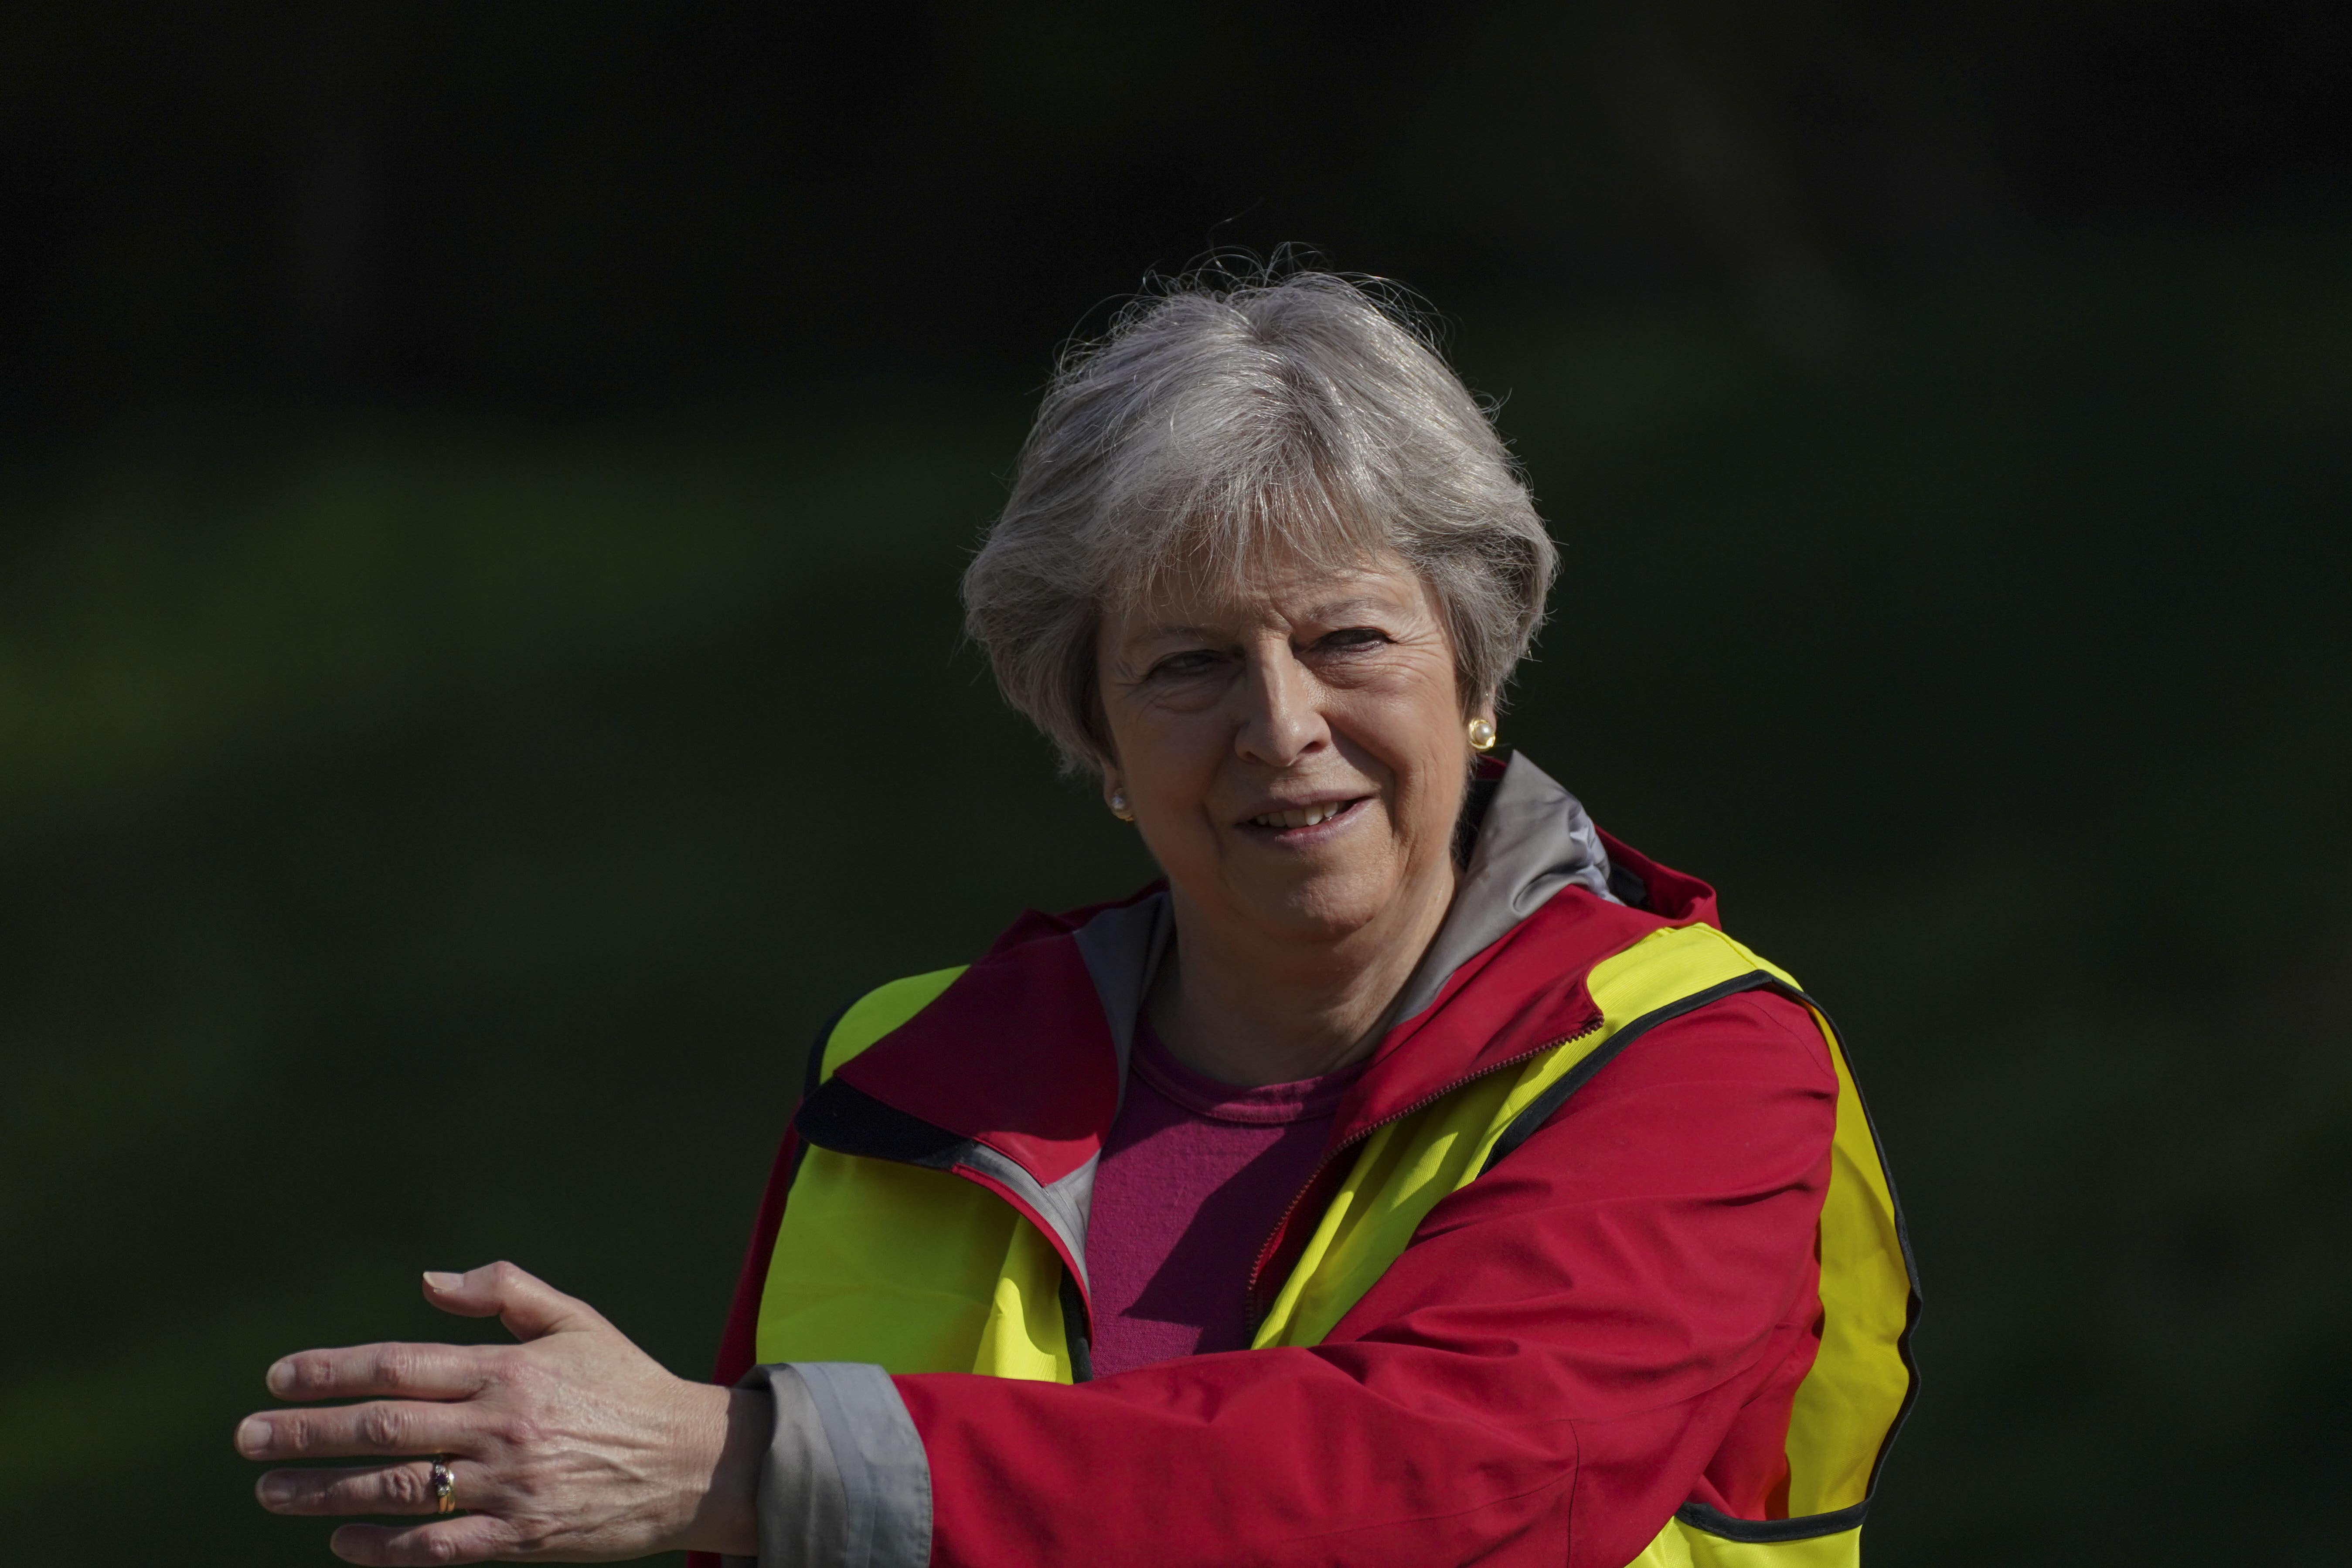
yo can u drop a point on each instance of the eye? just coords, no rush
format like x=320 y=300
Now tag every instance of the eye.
x=1351 y=638
x=1182 y=666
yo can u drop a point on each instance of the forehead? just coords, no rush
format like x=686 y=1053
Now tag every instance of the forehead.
x=1277 y=593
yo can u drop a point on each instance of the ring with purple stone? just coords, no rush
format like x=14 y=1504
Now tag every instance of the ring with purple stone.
x=445 y=1487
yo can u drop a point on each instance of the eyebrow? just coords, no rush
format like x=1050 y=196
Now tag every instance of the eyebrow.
x=1335 y=609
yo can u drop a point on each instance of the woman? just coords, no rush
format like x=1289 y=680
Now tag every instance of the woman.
x=1418 y=1175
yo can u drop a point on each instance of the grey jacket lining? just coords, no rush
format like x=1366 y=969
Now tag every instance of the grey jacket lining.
x=846 y=1483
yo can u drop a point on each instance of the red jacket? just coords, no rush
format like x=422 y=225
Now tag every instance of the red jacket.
x=1609 y=1324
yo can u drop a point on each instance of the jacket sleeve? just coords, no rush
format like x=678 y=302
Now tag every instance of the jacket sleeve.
x=1610 y=1323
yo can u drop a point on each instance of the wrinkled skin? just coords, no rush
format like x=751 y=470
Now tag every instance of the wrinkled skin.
x=571 y=1446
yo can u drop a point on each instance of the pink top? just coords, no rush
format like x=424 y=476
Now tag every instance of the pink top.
x=1194 y=1176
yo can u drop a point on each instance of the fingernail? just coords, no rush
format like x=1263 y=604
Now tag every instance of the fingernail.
x=438 y=1281
x=281 y=1376
x=253 y=1437
x=273 y=1493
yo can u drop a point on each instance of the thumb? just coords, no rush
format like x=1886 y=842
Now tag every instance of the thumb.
x=526 y=1304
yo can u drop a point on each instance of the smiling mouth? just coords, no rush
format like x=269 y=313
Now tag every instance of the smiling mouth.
x=1303 y=816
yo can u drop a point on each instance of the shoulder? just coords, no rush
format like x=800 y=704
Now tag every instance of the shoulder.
x=1762 y=1036
x=878 y=1011
x=1736 y=1096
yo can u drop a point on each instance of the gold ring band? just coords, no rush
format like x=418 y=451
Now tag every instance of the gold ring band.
x=445 y=1487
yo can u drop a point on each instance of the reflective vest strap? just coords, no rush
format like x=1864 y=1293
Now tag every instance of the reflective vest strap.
x=1863 y=1381
x=1672 y=967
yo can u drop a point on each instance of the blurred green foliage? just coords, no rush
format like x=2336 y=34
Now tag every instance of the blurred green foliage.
x=420 y=843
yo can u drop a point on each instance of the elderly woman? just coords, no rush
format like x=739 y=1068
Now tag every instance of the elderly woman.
x=1416 y=1175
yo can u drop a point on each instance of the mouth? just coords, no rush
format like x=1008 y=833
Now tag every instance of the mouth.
x=1294 y=823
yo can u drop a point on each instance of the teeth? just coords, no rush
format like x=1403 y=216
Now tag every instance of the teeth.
x=1304 y=816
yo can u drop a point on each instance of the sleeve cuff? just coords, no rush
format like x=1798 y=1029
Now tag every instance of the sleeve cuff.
x=845 y=1482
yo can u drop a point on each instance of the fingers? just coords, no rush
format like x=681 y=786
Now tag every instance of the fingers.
x=477 y=1538
x=417 y=1372
x=380 y=1488
x=527 y=1305
x=386 y=1427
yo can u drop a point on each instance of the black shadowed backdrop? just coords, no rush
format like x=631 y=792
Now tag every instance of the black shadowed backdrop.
x=481 y=495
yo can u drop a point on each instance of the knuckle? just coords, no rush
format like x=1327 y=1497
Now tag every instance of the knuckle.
x=392 y=1366
x=459 y=1544
x=382 y=1425
x=404 y=1486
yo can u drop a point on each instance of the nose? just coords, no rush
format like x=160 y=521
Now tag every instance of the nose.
x=1282 y=718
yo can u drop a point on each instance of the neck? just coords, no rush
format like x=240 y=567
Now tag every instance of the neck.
x=1245 y=1009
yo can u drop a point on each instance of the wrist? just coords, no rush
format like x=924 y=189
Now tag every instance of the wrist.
x=734 y=1426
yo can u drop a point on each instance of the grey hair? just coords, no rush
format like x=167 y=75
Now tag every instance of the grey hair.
x=1222 y=422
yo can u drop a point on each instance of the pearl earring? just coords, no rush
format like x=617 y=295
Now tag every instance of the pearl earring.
x=1482 y=735
x=1118 y=806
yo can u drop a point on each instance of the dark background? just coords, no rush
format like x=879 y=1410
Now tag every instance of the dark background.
x=480 y=677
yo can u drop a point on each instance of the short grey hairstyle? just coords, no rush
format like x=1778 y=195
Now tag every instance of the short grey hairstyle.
x=1221 y=422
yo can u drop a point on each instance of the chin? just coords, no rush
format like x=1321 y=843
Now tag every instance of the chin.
x=1327 y=908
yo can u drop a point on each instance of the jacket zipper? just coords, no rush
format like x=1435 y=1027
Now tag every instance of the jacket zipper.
x=1253 y=1314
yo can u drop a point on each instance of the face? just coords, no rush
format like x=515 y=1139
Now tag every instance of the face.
x=1293 y=751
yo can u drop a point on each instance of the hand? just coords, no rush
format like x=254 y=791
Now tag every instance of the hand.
x=573 y=1446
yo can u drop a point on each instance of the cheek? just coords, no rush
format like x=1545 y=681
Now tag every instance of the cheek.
x=1170 y=759
x=1417 y=733
x=1431 y=769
